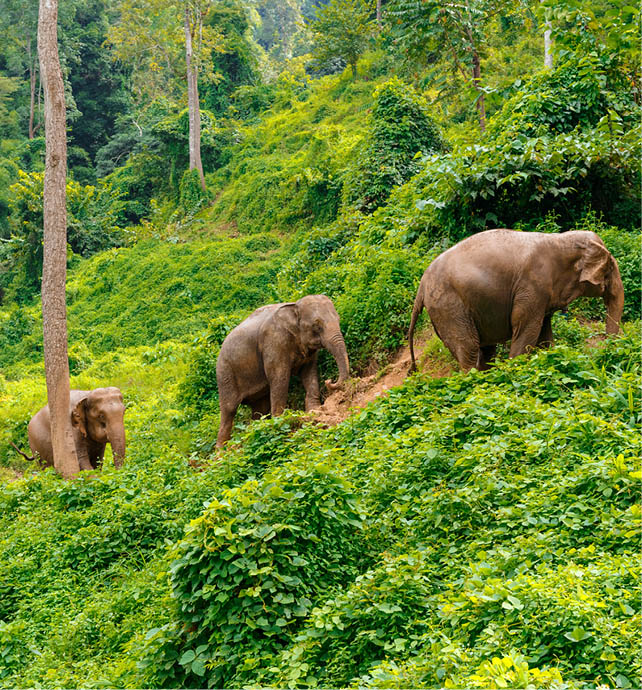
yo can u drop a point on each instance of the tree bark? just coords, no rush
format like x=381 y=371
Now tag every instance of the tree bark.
x=548 y=54
x=54 y=265
x=193 y=107
x=379 y=14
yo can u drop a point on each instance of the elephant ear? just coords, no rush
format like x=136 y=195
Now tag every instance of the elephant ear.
x=595 y=265
x=288 y=317
x=79 y=416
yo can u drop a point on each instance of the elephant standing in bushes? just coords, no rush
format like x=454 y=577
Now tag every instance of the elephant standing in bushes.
x=96 y=418
x=504 y=285
x=258 y=357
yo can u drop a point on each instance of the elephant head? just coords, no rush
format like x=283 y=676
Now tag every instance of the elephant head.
x=99 y=418
x=599 y=276
x=317 y=326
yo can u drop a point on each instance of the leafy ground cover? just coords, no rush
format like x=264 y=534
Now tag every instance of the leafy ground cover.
x=473 y=530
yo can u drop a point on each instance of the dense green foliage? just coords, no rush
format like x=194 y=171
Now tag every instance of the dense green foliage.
x=475 y=530
x=400 y=130
x=487 y=515
x=341 y=31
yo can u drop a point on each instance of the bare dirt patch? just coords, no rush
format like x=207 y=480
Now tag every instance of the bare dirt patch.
x=431 y=359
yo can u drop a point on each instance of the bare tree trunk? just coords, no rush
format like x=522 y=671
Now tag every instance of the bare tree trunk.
x=54 y=265
x=548 y=54
x=379 y=14
x=193 y=108
x=481 y=103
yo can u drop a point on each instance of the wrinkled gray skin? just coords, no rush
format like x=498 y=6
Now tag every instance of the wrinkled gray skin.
x=258 y=357
x=96 y=418
x=502 y=285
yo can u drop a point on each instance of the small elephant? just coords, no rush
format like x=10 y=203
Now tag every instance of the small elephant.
x=96 y=418
x=504 y=285
x=258 y=357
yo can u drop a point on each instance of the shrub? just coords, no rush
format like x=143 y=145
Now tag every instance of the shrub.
x=257 y=559
x=190 y=193
x=574 y=95
x=399 y=128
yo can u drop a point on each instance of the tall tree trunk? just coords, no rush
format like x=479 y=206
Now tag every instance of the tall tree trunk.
x=481 y=103
x=193 y=108
x=548 y=53
x=54 y=264
x=379 y=14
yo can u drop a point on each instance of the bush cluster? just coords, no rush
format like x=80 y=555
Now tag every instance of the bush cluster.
x=400 y=129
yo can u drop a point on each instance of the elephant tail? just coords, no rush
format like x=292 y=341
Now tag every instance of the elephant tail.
x=24 y=455
x=416 y=310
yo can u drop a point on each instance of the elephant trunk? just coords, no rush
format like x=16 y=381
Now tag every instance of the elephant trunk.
x=614 y=301
x=118 y=447
x=335 y=344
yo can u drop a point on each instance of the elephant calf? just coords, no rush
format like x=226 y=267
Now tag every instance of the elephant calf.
x=258 y=357
x=96 y=417
x=504 y=285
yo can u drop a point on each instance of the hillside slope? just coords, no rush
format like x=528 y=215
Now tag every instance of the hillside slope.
x=473 y=530
x=458 y=520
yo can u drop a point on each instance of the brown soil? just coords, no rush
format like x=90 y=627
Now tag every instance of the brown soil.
x=359 y=392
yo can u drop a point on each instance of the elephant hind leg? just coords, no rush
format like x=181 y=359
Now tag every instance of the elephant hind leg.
x=457 y=330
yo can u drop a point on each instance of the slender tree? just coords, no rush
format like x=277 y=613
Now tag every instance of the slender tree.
x=148 y=38
x=54 y=265
x=548 y=52
x=193 y=31
x=19 y=26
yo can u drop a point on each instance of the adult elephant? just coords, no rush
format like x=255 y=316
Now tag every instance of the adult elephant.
x=504 y=285
x=258 y=357
x=96 y=418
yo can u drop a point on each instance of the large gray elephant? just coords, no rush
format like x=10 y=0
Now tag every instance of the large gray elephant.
x=96 y=418
x=258 y=357
x=504 y=285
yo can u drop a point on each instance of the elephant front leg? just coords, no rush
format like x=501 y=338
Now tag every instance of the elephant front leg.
x=546 y=338
x=528 y=323
x=310 y=378
x=278 y=377
x=82 y=452
x=97 y=455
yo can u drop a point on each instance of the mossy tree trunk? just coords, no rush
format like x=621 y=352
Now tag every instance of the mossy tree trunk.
x=54 y=265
